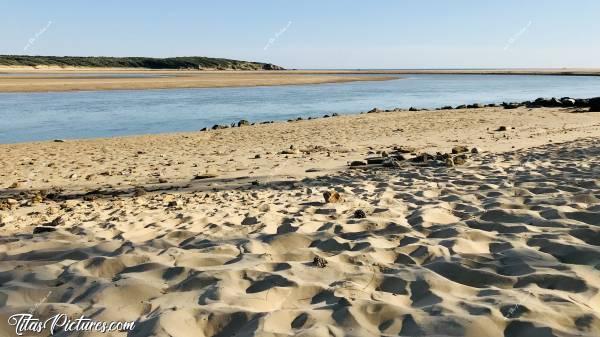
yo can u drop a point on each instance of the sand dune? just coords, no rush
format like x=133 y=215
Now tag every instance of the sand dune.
x=506 y=244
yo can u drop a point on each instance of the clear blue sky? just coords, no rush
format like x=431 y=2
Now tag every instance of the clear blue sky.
x=319 y=34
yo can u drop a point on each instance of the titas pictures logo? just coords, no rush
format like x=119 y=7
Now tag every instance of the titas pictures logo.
x=28 y=324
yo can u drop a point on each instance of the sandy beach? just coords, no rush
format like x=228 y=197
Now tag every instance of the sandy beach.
x=48 y=79
x=65 y=80
x=228 y=232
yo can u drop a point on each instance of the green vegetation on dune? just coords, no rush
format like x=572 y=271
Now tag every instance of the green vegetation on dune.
x=192 y=62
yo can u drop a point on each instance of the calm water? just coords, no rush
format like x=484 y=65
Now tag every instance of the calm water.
x=43 y=116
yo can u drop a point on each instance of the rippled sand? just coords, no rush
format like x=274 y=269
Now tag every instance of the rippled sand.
x=505 y=245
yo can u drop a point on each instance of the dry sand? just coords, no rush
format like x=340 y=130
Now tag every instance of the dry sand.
x=504 y=245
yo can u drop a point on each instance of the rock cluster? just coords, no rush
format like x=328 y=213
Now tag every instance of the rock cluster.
x=564 y=102
x=458 y=156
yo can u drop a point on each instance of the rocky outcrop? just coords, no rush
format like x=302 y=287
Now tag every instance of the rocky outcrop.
x=594 y=104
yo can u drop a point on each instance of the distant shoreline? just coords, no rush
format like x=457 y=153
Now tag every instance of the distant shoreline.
x=185 y=79
x=458 y=71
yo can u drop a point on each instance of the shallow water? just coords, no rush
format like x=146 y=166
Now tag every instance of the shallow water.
x=43 y=116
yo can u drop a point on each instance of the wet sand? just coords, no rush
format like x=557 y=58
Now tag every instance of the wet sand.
x=69 y=79
x=73 y=81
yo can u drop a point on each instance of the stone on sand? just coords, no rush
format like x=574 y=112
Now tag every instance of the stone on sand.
x=594 y=104
x=357 y=163
x=58 y=221
x=360 y=214
x=332 y=197
x=250 y=220
x=375 y=160
x=43 y=229
x=459 y=149
x=319 y=262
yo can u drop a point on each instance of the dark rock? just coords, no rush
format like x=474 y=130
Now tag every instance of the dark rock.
x=43 y=229
x=511 y=105
x=249 y=221
x=422 y=158
x=555 y=102
x=59 y=140
x=442 y=156
x=59 y=221
x=462 y=106
x=358 y=163
x=413 y=109
x=360 y=214
x=319 y=262
x=567 y=101
x=548 y=103
x=447 y=107
x=501 y=129
x=332 y=197
x=474 y=150
x=375 y=160
x=459 y=149
x=205 y=176
x=594 y=104
x=582 y=103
